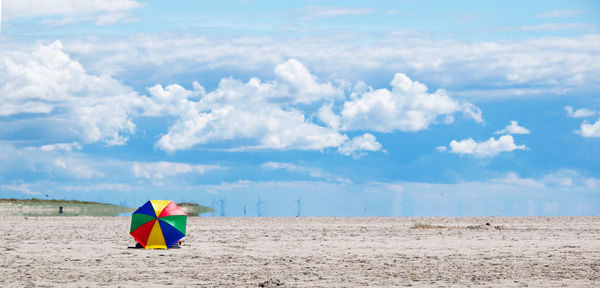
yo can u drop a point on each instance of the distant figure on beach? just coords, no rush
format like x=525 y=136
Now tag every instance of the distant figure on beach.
x=60 y=210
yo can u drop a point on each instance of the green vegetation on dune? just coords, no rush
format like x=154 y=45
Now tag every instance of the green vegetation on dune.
x=41 y=207
x=193 y=209
x=49 y=201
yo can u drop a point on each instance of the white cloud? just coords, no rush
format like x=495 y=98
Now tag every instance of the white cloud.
x=327 y=116
x=50 y=161
x=172 y=100
x=250 y=111
x=293 y=84
x=358 y=145
x=71 y=11
x=564 y=178
x=268 y=125
x=94 y=108
x=318 y=12
x=68 y=147
x=514 y=179
x=113 y=18
x=407 y=107
x=303 y=170
x=100 y=187
x=62 y=166
x=561 y=13
x=580 y=113
x=304 y=84
x=21 y=188
x=489 y=148
x=589 y=129
x=513 y=128
x=77 y=167
x=158 y=170
x=262 y=113
x=552 y=27
x=501 y=68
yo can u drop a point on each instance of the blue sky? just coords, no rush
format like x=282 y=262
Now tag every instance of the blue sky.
x=348 y=108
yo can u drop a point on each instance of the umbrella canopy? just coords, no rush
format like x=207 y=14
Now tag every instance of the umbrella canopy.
x=158 y=224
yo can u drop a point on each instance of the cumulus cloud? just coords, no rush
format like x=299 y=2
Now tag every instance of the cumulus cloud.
x=513 y=128
x=580 y=113
x=304 y=84
x=359 y=144
x=327 y=116
x=263 y=114
x=97 y=108
x=247 y=111
x=47 y=82
x=158 y=170
x=588 y=129
x=485 y=149
x=407 y=107
x=71 y=11
x=269 y=126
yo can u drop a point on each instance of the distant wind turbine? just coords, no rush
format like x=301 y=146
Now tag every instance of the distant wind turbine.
x=299 y=202
x=222 y=204
x=213 y=204
x=259 y=212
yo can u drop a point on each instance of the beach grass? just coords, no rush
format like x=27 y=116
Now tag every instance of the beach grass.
x=426 y=226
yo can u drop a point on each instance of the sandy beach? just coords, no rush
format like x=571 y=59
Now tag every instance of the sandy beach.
x=306 y=252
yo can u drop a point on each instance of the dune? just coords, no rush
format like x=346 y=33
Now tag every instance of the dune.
x=50 y=207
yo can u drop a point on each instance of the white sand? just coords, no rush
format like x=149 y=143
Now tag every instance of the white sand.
x=305 y=252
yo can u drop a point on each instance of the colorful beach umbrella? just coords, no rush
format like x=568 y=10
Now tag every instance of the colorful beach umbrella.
x=158 y=224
